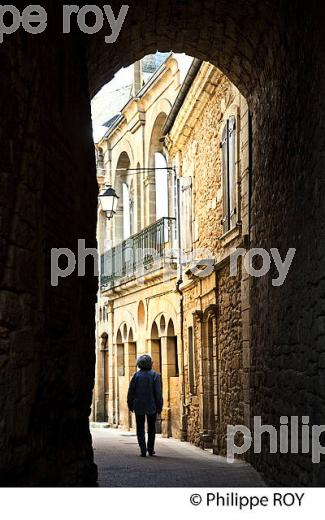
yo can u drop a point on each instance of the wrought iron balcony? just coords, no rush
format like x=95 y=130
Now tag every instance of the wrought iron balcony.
x=143 y=253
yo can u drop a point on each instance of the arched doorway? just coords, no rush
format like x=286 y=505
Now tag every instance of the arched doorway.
x=163 y=348
x=155 y=351
x=125 y=366
x=172 y=374
x=155 y=348
x=210 y=379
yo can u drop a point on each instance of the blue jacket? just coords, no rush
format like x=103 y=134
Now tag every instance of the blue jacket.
x=145 y=393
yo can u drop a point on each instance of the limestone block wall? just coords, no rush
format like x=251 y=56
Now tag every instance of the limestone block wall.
x=287 y=374
x=217 y=397
x=230 y=351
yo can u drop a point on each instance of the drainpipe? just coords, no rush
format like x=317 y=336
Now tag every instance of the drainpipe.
x=179 y=240
x=181 y=305
x=181 y=308
x=216 y=289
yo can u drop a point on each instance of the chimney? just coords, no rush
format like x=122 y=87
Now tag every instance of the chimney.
x=137 y=77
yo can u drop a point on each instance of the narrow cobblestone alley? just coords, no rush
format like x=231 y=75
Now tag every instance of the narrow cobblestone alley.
x=177 y=464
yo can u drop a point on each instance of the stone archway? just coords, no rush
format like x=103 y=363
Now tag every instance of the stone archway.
x=273 y=52
x=171 y=373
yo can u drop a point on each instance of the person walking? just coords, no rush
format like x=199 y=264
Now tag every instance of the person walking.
x=145 y=400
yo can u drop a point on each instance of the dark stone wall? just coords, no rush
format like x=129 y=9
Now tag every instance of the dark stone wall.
x=288 y=211
x=273 y=52
x=48 y=199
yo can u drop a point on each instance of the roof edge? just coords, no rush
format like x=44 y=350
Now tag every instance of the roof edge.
x=190 y=77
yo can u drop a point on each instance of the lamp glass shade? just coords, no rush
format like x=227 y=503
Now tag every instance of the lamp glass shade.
x=109 y=201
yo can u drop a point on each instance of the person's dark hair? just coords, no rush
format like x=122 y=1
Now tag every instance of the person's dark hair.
x=144 y=362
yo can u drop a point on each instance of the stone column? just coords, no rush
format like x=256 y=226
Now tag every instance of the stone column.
x=130 y=368
x=115 y=397
x=167 y=370
x=118 y=230
x=206 y=378
x=106 y=382
x=111 y=365
x=99 y=390
x=210 y=375
x=150 y=199
x=198 y=318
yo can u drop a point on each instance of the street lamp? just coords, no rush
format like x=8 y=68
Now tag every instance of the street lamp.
x=109 y=201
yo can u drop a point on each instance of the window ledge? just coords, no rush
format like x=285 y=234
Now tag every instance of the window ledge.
x=230 y=235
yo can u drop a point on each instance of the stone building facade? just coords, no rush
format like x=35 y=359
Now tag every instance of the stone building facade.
x=138 y=306
x=208 y=139
x=194 y=325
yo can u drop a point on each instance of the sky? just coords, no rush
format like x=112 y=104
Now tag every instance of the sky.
x=115 y=94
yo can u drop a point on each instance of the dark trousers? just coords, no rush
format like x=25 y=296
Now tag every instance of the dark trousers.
x=151 y=420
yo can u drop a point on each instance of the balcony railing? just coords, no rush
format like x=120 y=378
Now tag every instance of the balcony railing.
x=141 y=254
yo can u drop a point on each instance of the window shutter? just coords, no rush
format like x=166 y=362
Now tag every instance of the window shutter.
x=232 y=171
x=224 y=146
x=186 y=212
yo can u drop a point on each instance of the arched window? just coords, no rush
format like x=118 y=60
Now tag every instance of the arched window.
x=156 y=348
x=126 y=212
x=161 y=186
x=172 y=348
x=120 y=357
x=121 y=221
x=157 y=191
x=138 y=199
x=141 y=314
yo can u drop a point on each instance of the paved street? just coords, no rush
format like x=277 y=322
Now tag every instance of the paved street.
x=177 y=464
